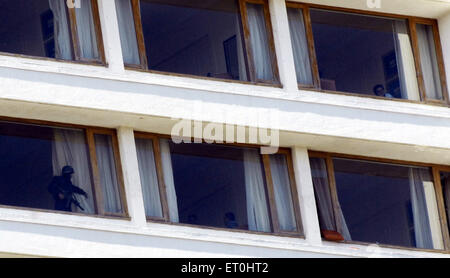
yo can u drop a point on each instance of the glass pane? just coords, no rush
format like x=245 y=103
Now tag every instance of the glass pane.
x=37 y=28
x=322 y=194
x=149 y=177
x=364 y=54
x=282 y=191
x=218 y=186
x=300 y=46
x=127 y=32
x=201 y=38
x=107 y=172
x=445 y=182
x=34 y=170
x=388 y=204
x=87 y=37
x=428 y=60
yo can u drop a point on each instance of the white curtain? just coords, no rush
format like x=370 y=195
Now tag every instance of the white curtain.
x=107 y=171
x=300 y=46
x=169 y=181
x=425 y=212
x=282 y=191
x=323 y=199
x=149 y=177
x=259 y=42
x=127 y=32
x=257 y=210
x=240 y=50
x=446 y=190
x=69 y=148
x=63 y=48
x=86 y=31
x=405 y=61
x=428 y=60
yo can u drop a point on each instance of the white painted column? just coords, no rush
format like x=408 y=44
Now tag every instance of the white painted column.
x=111 y=36
x=283 y=46
x=444 y=31
x=308 y=210
x=132 y=180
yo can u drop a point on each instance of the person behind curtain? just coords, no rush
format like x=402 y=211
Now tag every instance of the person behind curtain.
x=62 y=190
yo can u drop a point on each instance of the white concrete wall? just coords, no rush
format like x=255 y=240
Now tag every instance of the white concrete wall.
x=130 y=100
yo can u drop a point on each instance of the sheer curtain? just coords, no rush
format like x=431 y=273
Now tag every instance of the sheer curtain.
x=425 y=212
x=300 y=46
x=259 y=42
x=405 y=61
x=63 y=48
x=127 y=32
x=257 y=211
x=149 y=177
x=107 y=172
x=428 y=59
x=69 y=148
x=323 y=199
x=282 y=191
x=169 y=181
x=240 y=50
x=86 y=30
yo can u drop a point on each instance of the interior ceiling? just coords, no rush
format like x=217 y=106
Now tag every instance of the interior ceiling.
x=420 y=8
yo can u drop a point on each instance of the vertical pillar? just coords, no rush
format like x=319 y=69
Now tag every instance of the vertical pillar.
x=111 y=36
x=283 y=46
x=306 y=198
x=132 y=180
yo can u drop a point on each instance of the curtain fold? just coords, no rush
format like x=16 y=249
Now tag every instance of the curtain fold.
x=405 y=61
x=69 y=148
x=428 y=60
x=240 y=50
x=86 y=31
x=323 y=199
x=169 y=180
x=282 y=191
x=257 y=210
x=63 y=47
x=149 y=177
x=425 y=214
x=259 y=42
x=127 y=32
x=107 y=172
x=300 y=46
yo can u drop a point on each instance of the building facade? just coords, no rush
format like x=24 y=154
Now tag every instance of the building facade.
x=225 y=128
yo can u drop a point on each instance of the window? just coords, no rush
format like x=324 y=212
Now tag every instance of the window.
x=226 y=39
x=223 y=186
x=396 y=57
x=34 y=156
x=48 y=28
x=387 y=203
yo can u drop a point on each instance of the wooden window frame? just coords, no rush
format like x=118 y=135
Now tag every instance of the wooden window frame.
x=268 y=183
x=411 y=23
x=435 y=169
x=245 y=37
x=92 y=163
x=74 y=43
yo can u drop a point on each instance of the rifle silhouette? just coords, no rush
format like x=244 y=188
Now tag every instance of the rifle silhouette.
x=68 y=195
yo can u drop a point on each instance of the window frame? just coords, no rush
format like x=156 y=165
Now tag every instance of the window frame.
x=245 y=37
x=268 y=183
x=411 y=22
x=74 y=43
x=434 y=172
x=92 y=164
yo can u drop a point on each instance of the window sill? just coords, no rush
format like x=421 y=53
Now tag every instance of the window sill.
x=38 y=58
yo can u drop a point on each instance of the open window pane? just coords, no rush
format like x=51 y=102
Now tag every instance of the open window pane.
x=429 y=63
x=149 y=177
x=388 y=204
x=200 y=38
x=364 y=54
x=32 y=160
x=300 y=46
x=108 y=173
x=218 y=186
